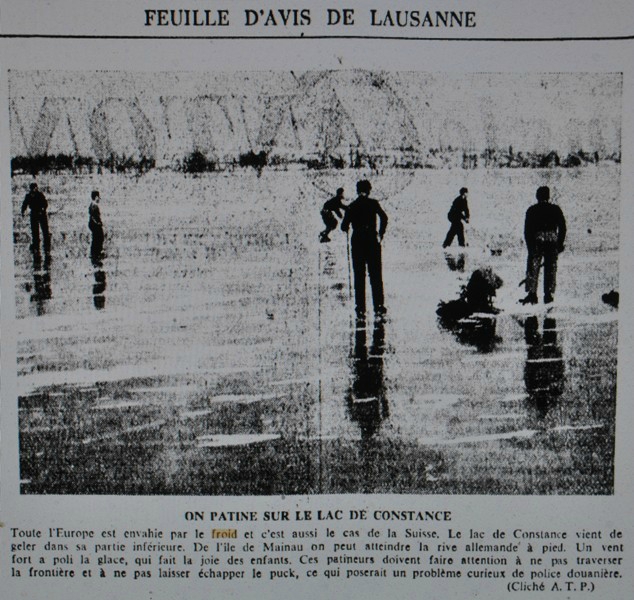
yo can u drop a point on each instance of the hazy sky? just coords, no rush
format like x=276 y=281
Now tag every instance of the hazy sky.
x=170 y=114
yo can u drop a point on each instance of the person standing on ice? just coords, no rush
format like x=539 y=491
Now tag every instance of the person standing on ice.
x=365 y=245
x=36 y=202
x=96 y=228
x=332 y=207
x=545 y=234
x=458 y=212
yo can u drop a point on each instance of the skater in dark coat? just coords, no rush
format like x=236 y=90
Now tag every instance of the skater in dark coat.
x=545 y=234
x=96 y=228
x=365 y=245
x=458 y=212
x=38 y=205
x=332 y=207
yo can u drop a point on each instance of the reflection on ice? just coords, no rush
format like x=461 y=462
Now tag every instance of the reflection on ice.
x=455 y=262
x=544 y=371
x=219 y=440
x=98 y=289
x=477 y=331
x=366 y=398
x=41 y=284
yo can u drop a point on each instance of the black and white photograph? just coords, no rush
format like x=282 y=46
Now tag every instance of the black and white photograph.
x=353 y=281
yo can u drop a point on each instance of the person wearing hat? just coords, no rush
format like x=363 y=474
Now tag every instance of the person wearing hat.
x=332 y=207
x=458 y=212
x=36 y=202
x=365 y=245
x=545 y=234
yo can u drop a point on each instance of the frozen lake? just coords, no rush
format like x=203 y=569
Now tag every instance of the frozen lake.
x=214 y=351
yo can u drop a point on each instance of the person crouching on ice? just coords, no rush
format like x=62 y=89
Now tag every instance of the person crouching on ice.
x=332 y=207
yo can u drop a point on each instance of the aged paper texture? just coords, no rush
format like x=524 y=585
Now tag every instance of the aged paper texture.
x=316 y=300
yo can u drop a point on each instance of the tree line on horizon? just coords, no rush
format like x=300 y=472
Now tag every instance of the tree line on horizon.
x=197 y=162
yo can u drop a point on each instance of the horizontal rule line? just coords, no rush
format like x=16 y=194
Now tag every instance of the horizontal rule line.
x=316 y=37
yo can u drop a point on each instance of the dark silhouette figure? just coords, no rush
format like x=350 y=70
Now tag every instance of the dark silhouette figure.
x=545 y=234
x=332 y=209
x=475 y=297
x=36 y=202
x=98 y=289
x=96 y=229
x=367 y=399
x=365 y=245
x=458 y=213
x=544 y=372
x=611 y=298
x=467 y=317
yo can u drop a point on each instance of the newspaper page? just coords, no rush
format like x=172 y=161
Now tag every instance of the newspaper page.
x=316 y=299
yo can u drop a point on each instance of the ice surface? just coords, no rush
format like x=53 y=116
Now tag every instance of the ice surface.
x=224 y=337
